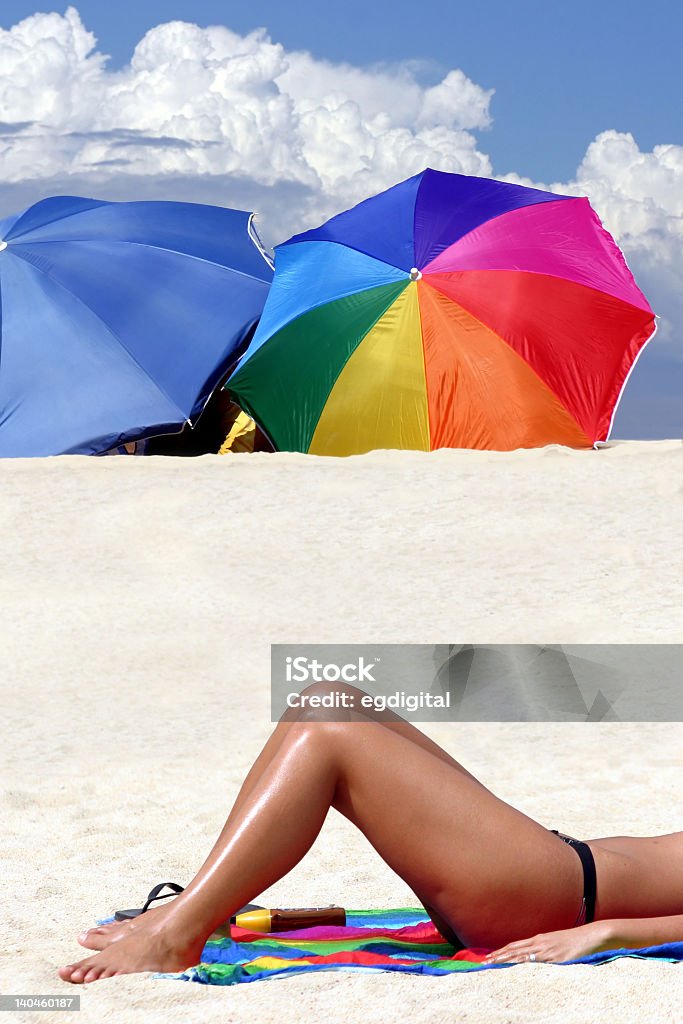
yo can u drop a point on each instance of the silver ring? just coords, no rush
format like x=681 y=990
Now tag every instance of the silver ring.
x=532 y=958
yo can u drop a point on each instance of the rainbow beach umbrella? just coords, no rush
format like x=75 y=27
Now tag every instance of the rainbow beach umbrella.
x=448 y=311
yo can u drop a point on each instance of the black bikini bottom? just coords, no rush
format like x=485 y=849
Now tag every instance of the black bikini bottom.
x=587 y=912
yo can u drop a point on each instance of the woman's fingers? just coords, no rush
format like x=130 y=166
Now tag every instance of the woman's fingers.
x=523 y=951
x=551 y=947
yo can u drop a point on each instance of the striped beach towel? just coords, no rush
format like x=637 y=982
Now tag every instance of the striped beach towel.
x=403 y=941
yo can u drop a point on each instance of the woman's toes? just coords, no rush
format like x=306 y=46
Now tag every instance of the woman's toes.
x=94 y=938
x=92 y=974
x=75 y=973
x=104 y=934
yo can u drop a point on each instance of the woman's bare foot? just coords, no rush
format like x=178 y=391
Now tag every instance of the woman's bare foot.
x=102 y=935
x=150 y=948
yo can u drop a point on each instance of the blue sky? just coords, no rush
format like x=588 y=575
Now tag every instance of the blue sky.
x=562 y=73
x=586 y=99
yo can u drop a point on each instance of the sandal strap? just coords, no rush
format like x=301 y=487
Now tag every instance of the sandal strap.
x=156 y=893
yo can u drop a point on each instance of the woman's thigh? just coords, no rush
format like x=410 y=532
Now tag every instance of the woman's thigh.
x=490 y=871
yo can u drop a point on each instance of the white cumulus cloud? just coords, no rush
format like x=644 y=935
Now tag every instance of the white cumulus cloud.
x=207 y=103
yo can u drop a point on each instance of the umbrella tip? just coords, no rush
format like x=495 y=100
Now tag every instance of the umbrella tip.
x=3 y=245
x=415 y=274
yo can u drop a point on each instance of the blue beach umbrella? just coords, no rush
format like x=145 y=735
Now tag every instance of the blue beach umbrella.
x=117 y=320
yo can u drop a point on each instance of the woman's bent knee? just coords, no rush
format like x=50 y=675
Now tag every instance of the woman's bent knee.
x=327 y=740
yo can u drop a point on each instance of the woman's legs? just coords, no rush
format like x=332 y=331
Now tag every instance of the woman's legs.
x=101 y=936
x=489 y=870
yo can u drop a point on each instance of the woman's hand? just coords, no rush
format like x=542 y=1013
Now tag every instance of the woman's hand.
x=554 y=947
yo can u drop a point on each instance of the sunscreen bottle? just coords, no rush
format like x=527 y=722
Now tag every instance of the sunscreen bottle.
x=290 y=918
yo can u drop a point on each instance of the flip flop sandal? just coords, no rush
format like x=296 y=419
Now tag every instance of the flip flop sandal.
x=157 y=894
x=154 y=894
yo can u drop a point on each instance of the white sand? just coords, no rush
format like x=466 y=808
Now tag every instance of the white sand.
x=139 y=600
